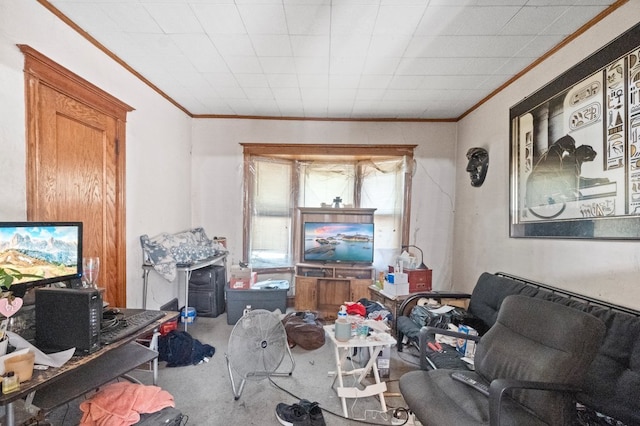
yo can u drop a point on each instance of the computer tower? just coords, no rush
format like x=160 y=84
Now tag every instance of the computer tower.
x=68 y=318
x=206 y=290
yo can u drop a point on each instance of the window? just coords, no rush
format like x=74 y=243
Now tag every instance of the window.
x=281 y=178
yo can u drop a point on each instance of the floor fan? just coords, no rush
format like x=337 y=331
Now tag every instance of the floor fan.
x=257 y=347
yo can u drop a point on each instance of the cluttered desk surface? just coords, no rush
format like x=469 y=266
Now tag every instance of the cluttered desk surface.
x=46 y=377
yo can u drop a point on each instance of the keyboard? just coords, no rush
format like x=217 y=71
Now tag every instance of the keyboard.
x=128 y=325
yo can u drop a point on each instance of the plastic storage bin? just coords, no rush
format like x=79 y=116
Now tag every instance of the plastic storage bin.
x=269 y=295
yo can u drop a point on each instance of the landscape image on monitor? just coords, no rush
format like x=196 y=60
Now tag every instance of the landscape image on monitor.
x=338 y=242
x=40 y=251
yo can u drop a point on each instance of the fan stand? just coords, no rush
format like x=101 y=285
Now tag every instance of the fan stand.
x=257 y=334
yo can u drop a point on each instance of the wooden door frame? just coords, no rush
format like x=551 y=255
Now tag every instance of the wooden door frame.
x=39 y=70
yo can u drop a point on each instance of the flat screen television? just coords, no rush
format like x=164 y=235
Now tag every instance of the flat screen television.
x=35 y=254
x=338 y=242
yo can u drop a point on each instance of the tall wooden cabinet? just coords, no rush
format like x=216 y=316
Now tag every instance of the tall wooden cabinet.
x=323 y=288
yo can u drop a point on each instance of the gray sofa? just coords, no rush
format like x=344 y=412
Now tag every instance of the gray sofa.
x=612 y=384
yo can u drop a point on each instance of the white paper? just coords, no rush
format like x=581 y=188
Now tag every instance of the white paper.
x=57 y=359
x=442 y=309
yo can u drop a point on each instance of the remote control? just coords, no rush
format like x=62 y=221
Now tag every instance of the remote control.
x=461 y=377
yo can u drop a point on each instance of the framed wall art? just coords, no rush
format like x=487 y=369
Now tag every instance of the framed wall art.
x=575 y=150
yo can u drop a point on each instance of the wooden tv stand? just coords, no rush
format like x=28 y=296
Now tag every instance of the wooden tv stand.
x=324 y=287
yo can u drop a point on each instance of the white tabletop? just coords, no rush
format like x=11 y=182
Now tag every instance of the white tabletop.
x=374 y=339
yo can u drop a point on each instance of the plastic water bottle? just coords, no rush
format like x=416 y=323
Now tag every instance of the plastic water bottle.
x=342 y=328
x=246 y=310
x=342 y=313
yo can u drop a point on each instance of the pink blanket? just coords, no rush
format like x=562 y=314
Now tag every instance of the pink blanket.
x=121 y=403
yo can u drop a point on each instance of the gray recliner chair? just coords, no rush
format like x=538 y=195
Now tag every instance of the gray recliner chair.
x=534 y=358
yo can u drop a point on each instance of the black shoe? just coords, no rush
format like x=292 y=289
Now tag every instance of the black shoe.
x=292 y=415
x=315 y=412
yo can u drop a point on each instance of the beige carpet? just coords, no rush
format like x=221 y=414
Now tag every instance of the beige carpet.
x=204 y=394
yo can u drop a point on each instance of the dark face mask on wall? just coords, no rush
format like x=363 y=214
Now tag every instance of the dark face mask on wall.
x=478 y=165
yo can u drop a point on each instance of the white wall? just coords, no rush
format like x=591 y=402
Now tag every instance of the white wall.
x=602 y=269
x=158 y=134
x=217 y=193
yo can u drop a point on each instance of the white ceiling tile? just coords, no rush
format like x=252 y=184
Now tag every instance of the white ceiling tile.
x=282 y=80
x=375 y=81
x=312 y=19
x=406 y=82
x=260 y=93
x=370 y=94
x=353 y=19
x=221 y=80
x=244 y=64
x=310 y=45
x=219 y=18
x=349 y=45
x=344 y=81
x=317 y=81
x=200 y=51
x=252 y=80
x=233 y=45
x=346 y=64
x=394 y=19
x=278 y=65
x=271 y=45
x=286 y=93
x=132 y=18
x=572 y=20
x=330 y=58
x=342 y=95
x=263 y=18
x=444 y=82
x=310 y=93
x=533 y=20
x=312 y=65
x=388 y=45
x=439 y=20
x=380 y=65
x=174 y=17
x=231 y=93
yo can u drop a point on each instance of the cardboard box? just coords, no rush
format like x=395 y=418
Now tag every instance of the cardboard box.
x=467 y=347
x=242 y=278
x=243 y=283
x=395 y=289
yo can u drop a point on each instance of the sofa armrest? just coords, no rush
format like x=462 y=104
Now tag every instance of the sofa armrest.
x=499 y=387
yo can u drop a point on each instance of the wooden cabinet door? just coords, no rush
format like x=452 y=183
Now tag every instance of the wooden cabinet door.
x=360 y=289
x=306 y=294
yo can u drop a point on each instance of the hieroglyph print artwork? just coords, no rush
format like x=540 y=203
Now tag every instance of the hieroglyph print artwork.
x=576 y=152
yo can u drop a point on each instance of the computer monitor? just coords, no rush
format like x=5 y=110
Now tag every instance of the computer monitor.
x=34 y=254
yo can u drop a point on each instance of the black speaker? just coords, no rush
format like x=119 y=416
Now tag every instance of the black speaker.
x=68 y=318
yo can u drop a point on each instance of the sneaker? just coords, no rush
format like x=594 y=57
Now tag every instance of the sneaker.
x=315 y=412
x=292 y=415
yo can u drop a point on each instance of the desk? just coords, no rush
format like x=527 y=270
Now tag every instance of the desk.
x=185 y=271
x=376 y=342
x=56 y=386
